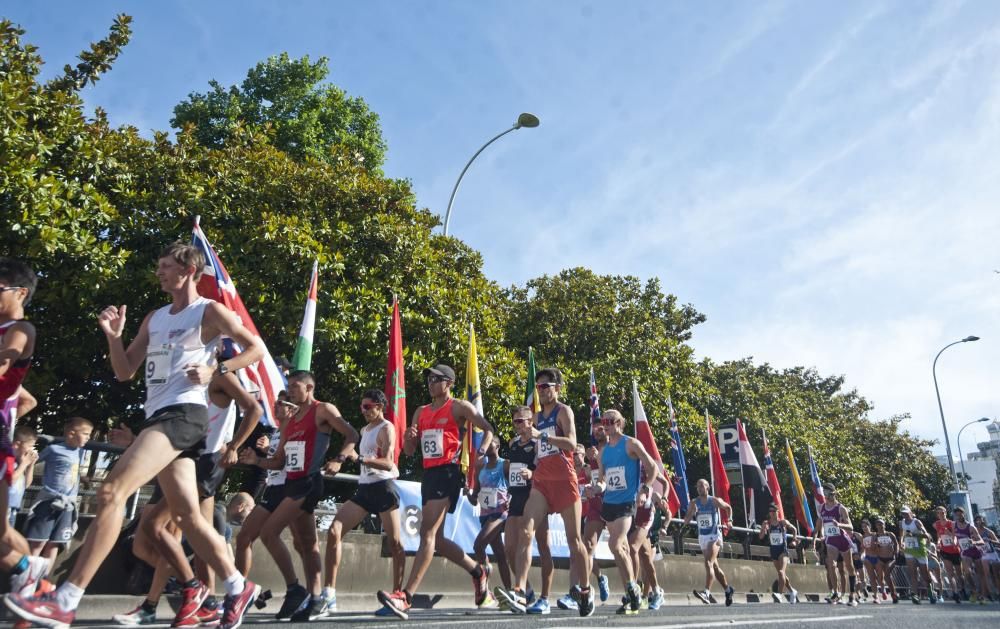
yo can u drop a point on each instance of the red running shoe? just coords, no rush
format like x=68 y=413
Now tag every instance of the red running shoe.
x=235 y=607
x=396 y=602
x=191 y=603
x=208 y=616
x=481 y=585
x=42 y=610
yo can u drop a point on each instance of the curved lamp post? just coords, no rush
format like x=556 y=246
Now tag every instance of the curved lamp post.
x=961 y=458
x=947 y=443
x=527 y=120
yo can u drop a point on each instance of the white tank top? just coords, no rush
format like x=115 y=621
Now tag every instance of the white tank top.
x=221 y=423
x=369 y=449
x=175 y=341
x=274 y=477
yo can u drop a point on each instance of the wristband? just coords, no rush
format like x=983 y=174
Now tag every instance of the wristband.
x=544 y=438
x=340 y=458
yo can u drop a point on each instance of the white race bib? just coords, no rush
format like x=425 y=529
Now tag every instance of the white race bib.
x=295 y=456
x=777 y=538
x=432 y=443
x=594 y=477
x=947 y=540
x=869 y=541
x=158 y=362
x=705 y=520
x=516 y=476
x=965 y=543
x=831 y=530
x=615 y=477
x=911 y=543
x=488 y=497
x=884 y=540
x=544 y=447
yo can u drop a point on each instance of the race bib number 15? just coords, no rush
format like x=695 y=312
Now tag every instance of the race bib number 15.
x=295 y=456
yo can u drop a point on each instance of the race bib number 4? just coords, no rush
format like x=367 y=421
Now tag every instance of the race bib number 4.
x=705 y=521
x=432 y=443
x=516 y=476
x=831 y=530
x=615 y=476
x=158 y=361
x=295 y=456
x=777 y=538
x=488 y=497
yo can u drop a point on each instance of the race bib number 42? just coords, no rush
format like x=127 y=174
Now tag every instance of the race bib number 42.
x=615 y=476
x=516 y=476
x=295 y=456
x=432 y=443
x=158 y=359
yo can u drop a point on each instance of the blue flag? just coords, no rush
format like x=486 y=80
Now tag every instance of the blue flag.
x=680 y=466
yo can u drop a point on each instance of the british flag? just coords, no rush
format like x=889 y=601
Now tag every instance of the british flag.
x=215 y=284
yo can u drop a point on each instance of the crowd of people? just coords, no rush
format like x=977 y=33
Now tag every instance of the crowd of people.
x=190 y=437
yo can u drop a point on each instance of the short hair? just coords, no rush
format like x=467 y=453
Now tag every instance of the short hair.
x=24 y=432
x=16 y=273
x=520 y=409
x=73 y=422
x=301 y=375
x=376 y=396
x=185 y=255
x=553 y=374
x=616 y=414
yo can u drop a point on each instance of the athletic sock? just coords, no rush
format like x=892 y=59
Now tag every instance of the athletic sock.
x=68 y=596
x=235 y=584
x=476 y=572
x=329 y=592
x=210 y=602
x=193 y=583
x=20 y=566
x=409 y=597
x=854 y=583
x=149 y=606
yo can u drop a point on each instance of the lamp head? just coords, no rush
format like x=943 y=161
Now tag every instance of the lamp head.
x=983 y=419
x=527 y=120
x=970 y=338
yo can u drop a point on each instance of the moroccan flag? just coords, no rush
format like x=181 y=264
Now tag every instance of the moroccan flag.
x=818 y=496
x=680 y=465
x=530 y=399
x=772 y=477
x=595 y=405
x=302 y=359
x=215 y=284
x=754 y=481
x=395 y=382
x=802 y=513
x=644 y=433
x=720 y=482
x=473 y=437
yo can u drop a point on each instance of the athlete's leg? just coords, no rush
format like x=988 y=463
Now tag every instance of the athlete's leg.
x=270 y=534
x=710 y=553
x=312 y=565
x=393 y=536
x=544 y=556
x=647 y=570
x=248 y=534
x=431 y=522
x=202 y=569
x=500 y=555
x=618 y=543
x=591 y=535
x=579 y=559
x=349 y=515
x=487 y=532
x=535 y=510
x=13 y=546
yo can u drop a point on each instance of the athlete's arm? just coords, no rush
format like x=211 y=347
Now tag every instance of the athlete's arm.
x=328 y=414
x=567 y=424
x=226 y=322
x=846 y=520
x=225 y=388
x=689 y=514
x=724 y=506
x=124 y=362
x=275 y=462
x=18 y=343
x=635 y=449
x=596 y=489
x=464 y=410
x=26 y=402
x=386 y=443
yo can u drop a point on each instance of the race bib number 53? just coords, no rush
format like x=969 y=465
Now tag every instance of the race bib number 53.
x=432 y=443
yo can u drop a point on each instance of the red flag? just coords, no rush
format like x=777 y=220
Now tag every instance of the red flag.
x=720 y=482
x=395 y=383
x=645 y=436
x=772 y=478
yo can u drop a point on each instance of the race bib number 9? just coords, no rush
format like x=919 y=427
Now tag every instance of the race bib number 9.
x=777 y=538
x=615 y=476
x=544 y=447
x=911 y=543
x=488 y=497
x=432 y=443
x=705 y=521
x=947 y=540
x=965 y=543
x=831 y=530
x=295 y=456
x=158 y=365
x=516 y=476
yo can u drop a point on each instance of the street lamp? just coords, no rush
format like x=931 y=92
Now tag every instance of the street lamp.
x=960 y=457
x=526 y=120
x=947 y=443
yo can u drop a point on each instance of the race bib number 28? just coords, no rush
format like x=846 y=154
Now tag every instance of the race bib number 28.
x=705 y=520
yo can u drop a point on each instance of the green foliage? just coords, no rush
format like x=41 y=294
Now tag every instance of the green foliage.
x=303 y=117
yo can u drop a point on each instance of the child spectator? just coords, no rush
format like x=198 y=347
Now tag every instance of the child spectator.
x=52 y=521
x=25 y=457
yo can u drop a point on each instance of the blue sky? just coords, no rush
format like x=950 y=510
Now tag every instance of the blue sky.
x=820 y=179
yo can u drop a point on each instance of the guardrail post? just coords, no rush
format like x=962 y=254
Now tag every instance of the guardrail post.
x=679 y=541
x=746 y=547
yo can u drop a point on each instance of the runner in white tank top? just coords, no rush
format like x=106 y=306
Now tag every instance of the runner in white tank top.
x=179 y=366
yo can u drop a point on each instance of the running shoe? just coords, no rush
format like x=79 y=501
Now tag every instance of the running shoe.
x=566 y=601
x=208 y=616
x=832 y=598
x=331 y=601
x=481 y=584
x=515 y=600
x=193 y=597
x=729 y=595
x=602 y=588
x=626 y=608
x=915 y=599
x=296 y=597
x=384 y=612
x=586 y=602
x=396 y=602
x=27 y=581
x=852 y=601
x=793 y=597
x=541 y=606
x=633 y=594
x=489 y=603
x=655 y=599
x=529 y=594
x=234 y=606
x=42 y=610
x=775 y=597
x=136 y=617
x=957 y=598
x=932 y=597
x=885 y=594
x=315 y=608
x=875 y=600
x=703 y=596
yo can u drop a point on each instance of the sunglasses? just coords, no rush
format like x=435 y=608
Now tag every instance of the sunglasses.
x=367 y=406
x=546 y=385
x=608 y=422
x=436 y=379
x=7 y=288
x=518 y=422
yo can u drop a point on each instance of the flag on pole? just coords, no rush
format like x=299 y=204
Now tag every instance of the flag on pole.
x=473 y=437
x=772 y=478
x=802 y=513
x=818 y=496
x=720 y=482
x=530 y=399
x=395 y=381
x=215 y=284
x=302 y=359
x=680 y=465
x=644 y=433
x=754 y=481
x=595 y=406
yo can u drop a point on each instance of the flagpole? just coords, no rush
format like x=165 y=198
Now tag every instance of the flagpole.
x=708 y=439
x=743 y=481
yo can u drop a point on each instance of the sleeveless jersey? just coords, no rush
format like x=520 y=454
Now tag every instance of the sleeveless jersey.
x=221 y=424
x=305 y=445
x=440 y=443
x=492 y=489
x=369 y=449
x=830 y=515
x=552 y=463
x=868 y=544
x=963 y=535
x=10 y=382
x=175 y=341
x=946 y=536
x=911 y=543
x=521 y=457
x=777 y=538
x=621 y=473
x=884 y=542
x=708 y=517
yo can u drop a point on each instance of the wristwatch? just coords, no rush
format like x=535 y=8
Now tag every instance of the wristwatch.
x=545 y=437
x=340 y=458
x=221 y=368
